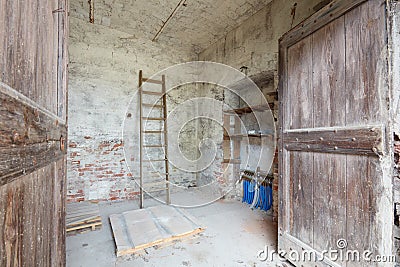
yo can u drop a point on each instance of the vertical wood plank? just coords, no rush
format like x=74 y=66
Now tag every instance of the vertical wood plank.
x=30 y=48
x=321 y=199
x=337 y=200
x=58 y=246
x=373 y=50
x=328 y=45
x=302 y=196
x=62 y=55
x=283 y=165
x=353 y=82
x=300 y=92
x=359 y=196
x=236 y=142
x=365 y=42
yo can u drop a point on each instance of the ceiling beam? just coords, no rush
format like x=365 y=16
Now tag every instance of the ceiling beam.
x=181 y=3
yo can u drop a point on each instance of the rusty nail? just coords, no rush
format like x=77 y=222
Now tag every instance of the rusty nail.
x=15 y=136
x=62 y=143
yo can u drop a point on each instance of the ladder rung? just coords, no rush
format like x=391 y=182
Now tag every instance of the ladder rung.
x=154 y=146
x=153 y=119
x=154 y=190
x=149 y=132
x=151 y=93
x=152 y=106
x=154 y=160
x=159 y=173
x=146 y=80
x=155 y=183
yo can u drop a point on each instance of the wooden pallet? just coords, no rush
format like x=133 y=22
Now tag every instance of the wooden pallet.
x=83 y=215
x=139 y=229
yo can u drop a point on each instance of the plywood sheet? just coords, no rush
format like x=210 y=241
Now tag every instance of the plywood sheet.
x=139 y=229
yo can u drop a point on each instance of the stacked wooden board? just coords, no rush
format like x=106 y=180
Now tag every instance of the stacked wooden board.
x=82 y=215
x=139 y=229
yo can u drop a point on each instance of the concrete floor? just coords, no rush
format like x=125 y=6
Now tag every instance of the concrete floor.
x=233 y=237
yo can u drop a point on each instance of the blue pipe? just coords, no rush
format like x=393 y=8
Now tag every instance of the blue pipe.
x=264 y=200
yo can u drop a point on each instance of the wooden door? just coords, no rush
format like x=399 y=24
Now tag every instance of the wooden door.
x=33 y=68
x=335 y=168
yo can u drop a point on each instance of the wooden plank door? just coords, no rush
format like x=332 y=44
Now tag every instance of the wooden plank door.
x=33 y=84
x=335 y=177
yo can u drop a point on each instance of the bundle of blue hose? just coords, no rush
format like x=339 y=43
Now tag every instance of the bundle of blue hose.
x=257 y=196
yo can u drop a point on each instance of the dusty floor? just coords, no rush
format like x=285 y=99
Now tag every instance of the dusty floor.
x=234 y=236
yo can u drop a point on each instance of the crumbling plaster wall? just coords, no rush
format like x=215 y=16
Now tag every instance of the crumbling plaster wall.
x=104 y=61
x=103 y=76
x=254 y=44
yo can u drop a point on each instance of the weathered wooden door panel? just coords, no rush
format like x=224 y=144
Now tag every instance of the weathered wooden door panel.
x=333 y=93
x=33 y=64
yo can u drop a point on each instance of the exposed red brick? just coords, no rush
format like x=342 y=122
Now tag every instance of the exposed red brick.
x=72 y=144
x=85 y=169
x=104 y=145
x=116 y=146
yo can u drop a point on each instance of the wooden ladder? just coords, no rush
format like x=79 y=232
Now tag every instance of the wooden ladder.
x=143 y=132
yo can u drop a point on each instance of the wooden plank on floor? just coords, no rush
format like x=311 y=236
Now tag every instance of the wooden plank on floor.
x=139 y=229
x=82 y=215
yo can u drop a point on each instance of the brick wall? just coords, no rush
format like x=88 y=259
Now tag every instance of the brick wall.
x=97 y=170
x=103 y=77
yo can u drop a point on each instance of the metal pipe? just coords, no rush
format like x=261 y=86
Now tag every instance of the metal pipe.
x=168 y=19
